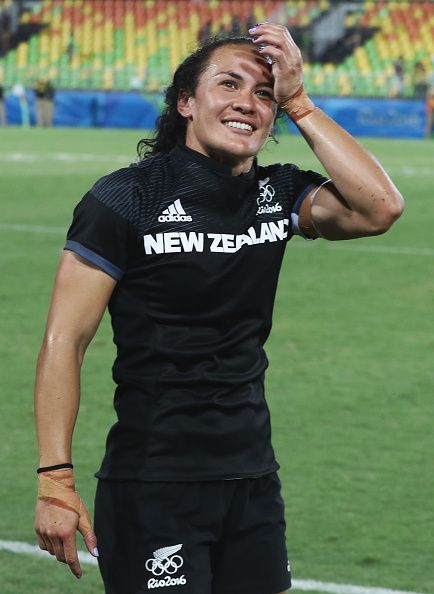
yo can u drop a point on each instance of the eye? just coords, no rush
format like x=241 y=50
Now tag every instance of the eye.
x=230 y=84
x=265 y=93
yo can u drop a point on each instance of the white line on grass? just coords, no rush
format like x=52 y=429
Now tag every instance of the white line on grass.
x=33 y=229
x=62 y=157
x=410 y=171
x=341 y=246
x=312 y=585
x=304 y=585
x=345 y=246
x=65 y=158
x=14 y=546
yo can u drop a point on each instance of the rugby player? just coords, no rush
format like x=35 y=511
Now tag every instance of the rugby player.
x=185 y=249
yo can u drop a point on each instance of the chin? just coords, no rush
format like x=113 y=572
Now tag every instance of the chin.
x=239 y=151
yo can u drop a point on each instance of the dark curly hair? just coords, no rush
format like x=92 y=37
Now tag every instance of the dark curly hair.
x=171 y=125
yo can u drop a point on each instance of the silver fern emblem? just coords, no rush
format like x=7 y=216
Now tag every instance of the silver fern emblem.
x=165 y=552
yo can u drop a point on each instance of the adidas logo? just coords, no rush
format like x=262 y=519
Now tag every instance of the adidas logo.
x=174 y=213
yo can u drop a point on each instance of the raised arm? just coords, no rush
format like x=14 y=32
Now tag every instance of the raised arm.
x=360 y=199
x=80 y=296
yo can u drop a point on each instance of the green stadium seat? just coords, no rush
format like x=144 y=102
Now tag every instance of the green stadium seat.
x=114 y=40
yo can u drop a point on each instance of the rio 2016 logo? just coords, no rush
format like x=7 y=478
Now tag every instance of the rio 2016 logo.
x=165 y=560
x=167 y=581
x=266 y=195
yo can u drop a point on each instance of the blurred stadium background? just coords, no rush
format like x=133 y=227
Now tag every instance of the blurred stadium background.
x=352 y=49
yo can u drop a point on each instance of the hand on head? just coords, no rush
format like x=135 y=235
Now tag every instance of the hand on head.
x=276 y=44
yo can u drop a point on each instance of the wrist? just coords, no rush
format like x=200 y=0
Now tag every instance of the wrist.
x=55 y=467
x=58 y=488
x=298 y=105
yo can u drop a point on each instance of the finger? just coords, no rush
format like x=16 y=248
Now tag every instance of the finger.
x=267 y=56
x=282 y=54
x=71 y=557
x=272 y=52
x=293 y=63
x=84 y=521
x=48 y=545
x=58 y=550
x=285 y=45
x=269 y=29
x=44 y=545
x=91 y=543
x=86 y=530
x=277 y=59
x=266 y=26
x=279 y=38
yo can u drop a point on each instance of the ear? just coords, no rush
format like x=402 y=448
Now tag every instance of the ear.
x=184 y=104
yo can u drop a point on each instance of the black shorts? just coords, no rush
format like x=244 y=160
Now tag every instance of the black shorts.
x=216 y=537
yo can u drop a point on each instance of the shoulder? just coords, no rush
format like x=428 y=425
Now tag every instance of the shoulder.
x=291 y=176
x=132 y=176
x=124 y=189
x=135 y=192
x=294 y=183
x=287 y=171
x=117 y=190
x=121 y=180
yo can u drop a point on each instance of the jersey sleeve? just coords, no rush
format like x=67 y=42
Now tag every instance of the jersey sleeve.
x=103 y=229
x=304 y=182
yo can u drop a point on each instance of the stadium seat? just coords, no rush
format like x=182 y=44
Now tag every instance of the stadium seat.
x=136 y=44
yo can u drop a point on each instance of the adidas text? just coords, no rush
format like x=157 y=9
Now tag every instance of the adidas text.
x=167 y=581
x=172 y=218
x=269 y=209
x=174 y=213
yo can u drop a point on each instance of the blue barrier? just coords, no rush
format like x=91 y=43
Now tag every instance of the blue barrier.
x=88 y=109
x=20 y=111
x=107 y=110
x=396 y=118
x=390 y=118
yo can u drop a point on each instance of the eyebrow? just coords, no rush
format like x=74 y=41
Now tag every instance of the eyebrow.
x=237 y=76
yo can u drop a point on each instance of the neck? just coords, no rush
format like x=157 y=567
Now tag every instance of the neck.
x=238 y=165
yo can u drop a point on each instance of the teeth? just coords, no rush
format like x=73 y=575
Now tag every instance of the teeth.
x=239 y=125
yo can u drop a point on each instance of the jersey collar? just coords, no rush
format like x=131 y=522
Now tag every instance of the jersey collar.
x=187 y=154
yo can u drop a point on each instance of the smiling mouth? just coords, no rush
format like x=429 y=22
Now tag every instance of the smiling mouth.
x=239 y=125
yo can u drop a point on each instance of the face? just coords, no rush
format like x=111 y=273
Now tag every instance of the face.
x=232 y=112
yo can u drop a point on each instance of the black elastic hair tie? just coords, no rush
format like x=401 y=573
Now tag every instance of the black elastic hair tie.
x=55 y=467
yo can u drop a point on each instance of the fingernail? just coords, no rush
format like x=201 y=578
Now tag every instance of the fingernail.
x=95 y=552
x=252 y=30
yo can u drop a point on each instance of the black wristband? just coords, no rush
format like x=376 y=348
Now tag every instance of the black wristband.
x=55 y=467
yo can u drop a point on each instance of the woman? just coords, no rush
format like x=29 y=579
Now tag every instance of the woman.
x=185 y=248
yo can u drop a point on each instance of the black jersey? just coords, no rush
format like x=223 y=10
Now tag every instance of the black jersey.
x=197 y=253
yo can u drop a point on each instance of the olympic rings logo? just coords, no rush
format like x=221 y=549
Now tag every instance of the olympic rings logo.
x=160 y=566
x=266 y=192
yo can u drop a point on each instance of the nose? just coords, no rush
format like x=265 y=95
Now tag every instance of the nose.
x=244 y=102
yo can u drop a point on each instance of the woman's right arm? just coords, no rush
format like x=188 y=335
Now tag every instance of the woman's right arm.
x=80 y=296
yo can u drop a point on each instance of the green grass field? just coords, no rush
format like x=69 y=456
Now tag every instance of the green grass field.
x=350 y=384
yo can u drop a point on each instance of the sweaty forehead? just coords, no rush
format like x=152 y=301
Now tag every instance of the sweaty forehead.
x=243 y=60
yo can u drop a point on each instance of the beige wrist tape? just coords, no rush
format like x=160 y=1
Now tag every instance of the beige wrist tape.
x=299 y=105
x=57 y=487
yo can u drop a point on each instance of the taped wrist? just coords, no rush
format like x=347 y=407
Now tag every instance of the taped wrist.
x=58 y=488
x=299 y=105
